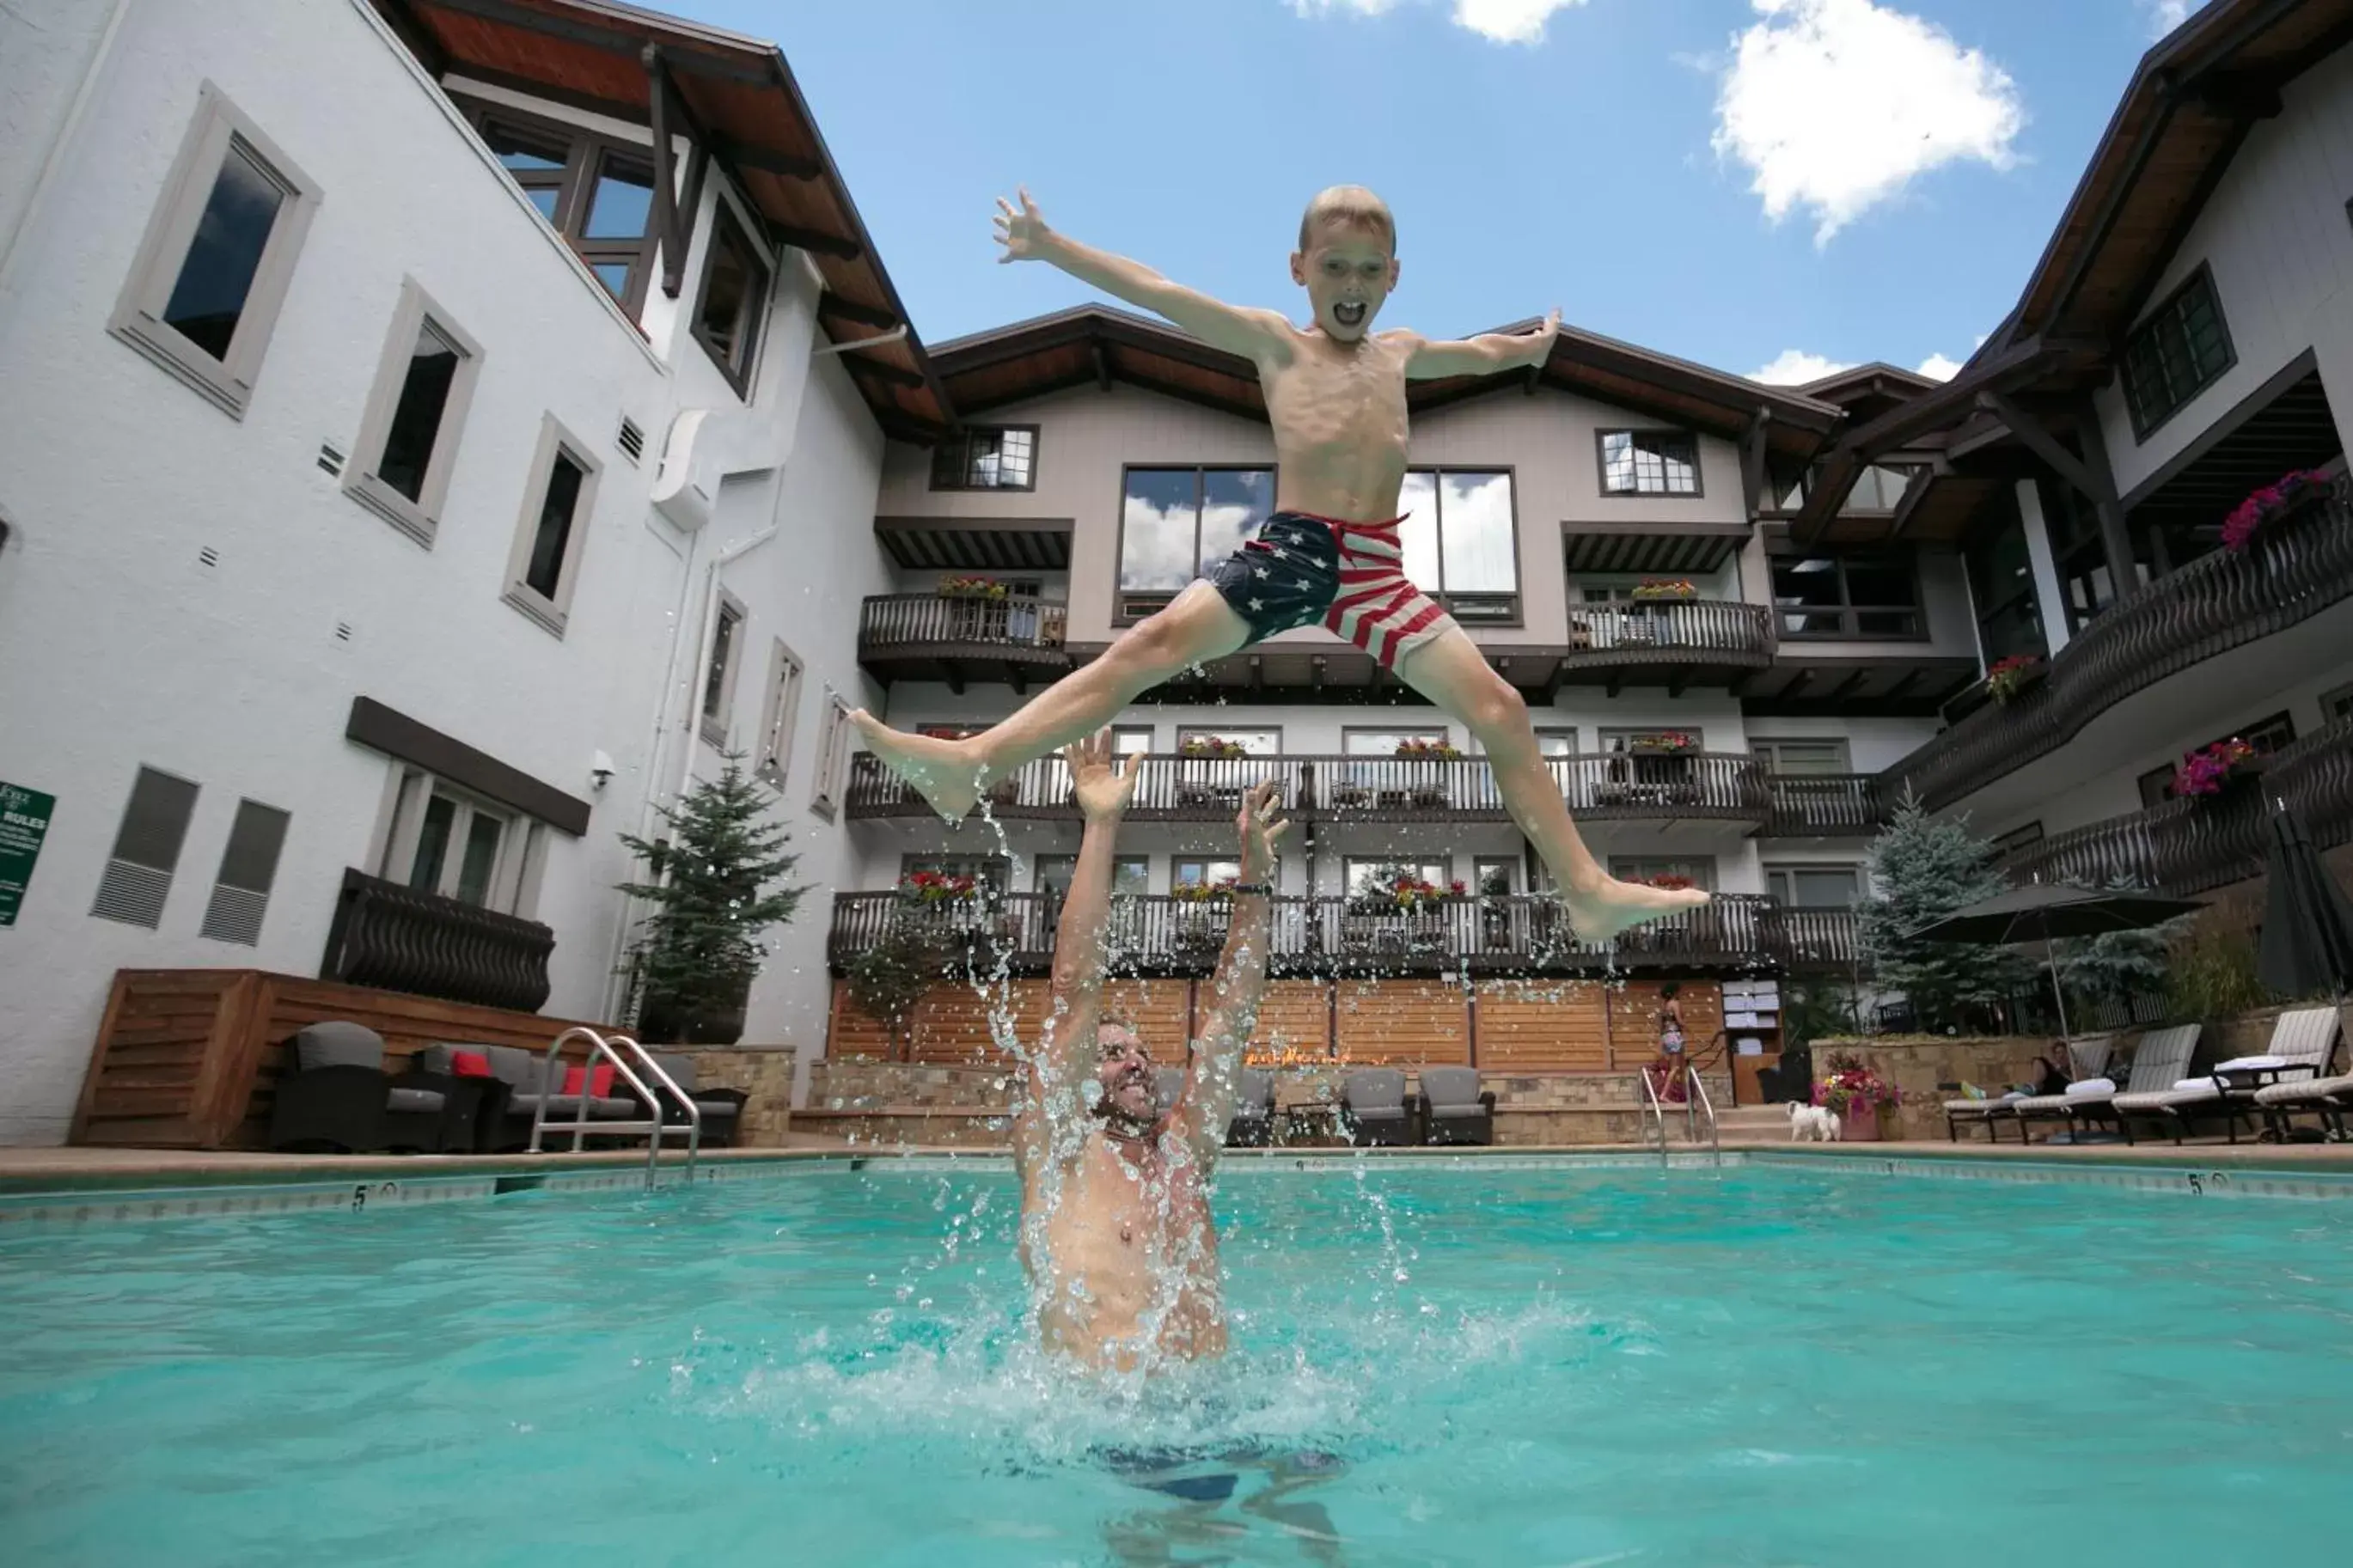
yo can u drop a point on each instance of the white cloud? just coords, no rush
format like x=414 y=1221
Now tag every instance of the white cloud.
x=2164 y=16
x=1796 y=367
x=1503 y=21
x=1836 y=105
x=1941 y=367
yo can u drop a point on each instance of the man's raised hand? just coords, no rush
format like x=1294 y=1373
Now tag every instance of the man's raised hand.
x=1102 y=783
x=1259 y=829
x=1021 y=231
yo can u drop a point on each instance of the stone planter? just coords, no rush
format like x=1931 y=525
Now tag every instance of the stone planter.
x=1860 y=1124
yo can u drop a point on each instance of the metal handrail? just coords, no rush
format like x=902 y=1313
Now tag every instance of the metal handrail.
x=600 y=1048
x=1697 y=1101
x=1658 y=1113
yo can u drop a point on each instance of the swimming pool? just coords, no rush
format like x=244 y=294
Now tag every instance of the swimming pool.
x=1433 y=1364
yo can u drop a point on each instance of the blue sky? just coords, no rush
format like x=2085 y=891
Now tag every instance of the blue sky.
x=1732 y=181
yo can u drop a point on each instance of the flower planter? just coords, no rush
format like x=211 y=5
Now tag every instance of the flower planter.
x=1860 y=1124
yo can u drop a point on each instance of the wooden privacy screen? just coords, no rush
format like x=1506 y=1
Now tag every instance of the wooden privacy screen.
x=189 y=1059
x=1543 y=1026
x=951 y=1026
x=1408 y=1022
x=1295 y=1020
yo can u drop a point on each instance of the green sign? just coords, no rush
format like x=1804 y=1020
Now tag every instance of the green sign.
x=24 y=823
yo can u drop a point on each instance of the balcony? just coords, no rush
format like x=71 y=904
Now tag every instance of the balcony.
x=1670 y=642
x=930 y=637
x=2296 y=566
x=2190 y=846
x=396 y=939
x=1827 y=805
x=1157 y=934
x=1613 y=786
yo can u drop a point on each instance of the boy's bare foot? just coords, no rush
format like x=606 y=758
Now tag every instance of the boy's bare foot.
x=940 y=771
x=1606 y=906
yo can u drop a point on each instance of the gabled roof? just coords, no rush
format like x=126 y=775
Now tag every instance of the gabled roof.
x=740 y=104
x=1099 y=345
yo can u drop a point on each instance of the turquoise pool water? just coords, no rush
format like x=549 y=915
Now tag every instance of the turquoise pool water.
x=1433 y=1365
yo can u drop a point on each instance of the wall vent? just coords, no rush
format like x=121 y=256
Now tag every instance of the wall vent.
x=331 y=457
x=632 y=440
x=343 y=631
x=132 y=894
x=146 y=849
x=207 y=556
x=235 y=915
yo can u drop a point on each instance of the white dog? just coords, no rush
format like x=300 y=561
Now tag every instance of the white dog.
x=1818 y=1122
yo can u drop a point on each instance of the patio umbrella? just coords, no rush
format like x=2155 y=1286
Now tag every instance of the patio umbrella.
x=2048 y=913
x=2308 y=941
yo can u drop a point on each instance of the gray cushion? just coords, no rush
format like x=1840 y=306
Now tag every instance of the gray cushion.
x=1371 y=1090
x=1377 y=1113
x=337 y=1045
x=424 y=1099
x=718 y=1108
x=680 y=1071
x=2294 y=1091
x=513 y=1065
x=1257 y=1096
x=1451 y=1090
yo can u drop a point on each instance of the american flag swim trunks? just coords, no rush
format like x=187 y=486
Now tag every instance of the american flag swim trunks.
x=1303 y=570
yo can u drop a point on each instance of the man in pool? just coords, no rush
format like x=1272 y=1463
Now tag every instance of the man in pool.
x=1330 y=555
x=1115 y=1228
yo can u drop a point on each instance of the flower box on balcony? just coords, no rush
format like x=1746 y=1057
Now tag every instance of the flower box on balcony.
x=1656 y=590
x=1427 y=750
x=2289 y=491
x=2012 y=678
x=1212 y=748
x=1663 y=742
x=971 y=588
x=2215 y=770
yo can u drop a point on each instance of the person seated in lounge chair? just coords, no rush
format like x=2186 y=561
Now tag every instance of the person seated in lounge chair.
x=1115 y=1229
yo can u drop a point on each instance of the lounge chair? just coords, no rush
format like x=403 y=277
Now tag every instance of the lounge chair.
x=1453 y=1109
x=2328 y=1097
x=334 y=1094
x=2302 y=1043
x=2087 y=1060
x=1252 y=1126
x=1373 y=1107
x=2158 y=1063
x=1989 y=1112
x=477 y=1103
x=521 y=1071
x=721 y=1109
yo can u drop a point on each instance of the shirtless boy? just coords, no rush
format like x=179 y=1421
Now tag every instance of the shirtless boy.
x=1115 y=1228
x=1329 y=555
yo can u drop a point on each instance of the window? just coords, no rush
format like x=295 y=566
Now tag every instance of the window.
x=2179 y=350
x=1126 y=738
x=778 y=710
x=1837 y=596
x=1495 y=877
x=2002 y=585
x=146 y=850
x=2080 y=555
x=1877 y=489
x=1699 y=871
x=733 y=299
x=1804 y=758
x=597 y=193
x=249 y=866
x=2017 y=839
x=1815 y=887
x=560 y=496
x=1003 y=458
x=1363 y=871
x=832 y=755
x=1176 y=524
x=399 y=466
x=1385 y=743
x=719 y=673
x=2265 y=735
x=1460 y=544
x=1131 y=875
x=219 y=250
x=1197 y=871
x=456 y=845
x=1649 y=463
x=2336 y=706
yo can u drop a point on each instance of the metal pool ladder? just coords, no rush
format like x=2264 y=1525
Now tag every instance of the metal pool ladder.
x=1695 y=1104
x=635 y=1065
x=1658 y=1115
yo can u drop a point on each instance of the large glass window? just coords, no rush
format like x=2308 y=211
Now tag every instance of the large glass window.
x=734 y=297
x=2001 y=582
x=1003 y=458
x=2179 y=350
x=2081 y=555
x=597 y=193
x=1363 y=872
x=1131 y=875
x=1176 y=523
x=1815 y=887
x=1837 y=596
x=1877 y=489
x=1459 y=543
x=400 y=464
x=1803 y=759
x=1650 y=463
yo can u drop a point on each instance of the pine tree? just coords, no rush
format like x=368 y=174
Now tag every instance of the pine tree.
x=2119 y=966
x=1922 y=871
x=713 y=887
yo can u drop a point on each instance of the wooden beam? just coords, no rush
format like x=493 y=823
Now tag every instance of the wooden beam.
x=2043 y=444
x=614 y=40
x=1102 y=357
x=1257 y=673
x=767 y=160
x=1903 y=684
x=1315 y=671
x=1679 y=680
x=1741 y=683
x=670 y=226
x=1752 y=458
x=1530 y=379
x=2115 y=538
x=882 y=370
x=817 y=241
x=829 y=303
x=1853 y=682
x=955 y=676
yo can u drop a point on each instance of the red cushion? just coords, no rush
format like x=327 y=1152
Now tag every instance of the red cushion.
x=469 y=1064
x=601 y=1080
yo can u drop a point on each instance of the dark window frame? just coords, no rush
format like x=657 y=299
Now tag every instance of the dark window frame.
x=1768 y=750
x=1847 y=609
x=551 y=613
x=1418 y=861
x=1462 y=606
x=2143 y=337
x=740 y=367
x=1856 y=870
x=963 y=444
x=1037 y=863
x=1601 y=463
x=1122 y=598
x=2336 y=706
x=586 y=153
x=420 y=519
x=2025 y=835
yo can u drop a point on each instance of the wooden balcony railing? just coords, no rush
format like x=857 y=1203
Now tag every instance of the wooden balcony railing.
x=1618 y=785
x=2296 y=566
x=1827 y=805
x=2188 y=846
x=919 y=621
x=1813 y=941
x=397 y=939
x=1670 y=631
x=1160 y=935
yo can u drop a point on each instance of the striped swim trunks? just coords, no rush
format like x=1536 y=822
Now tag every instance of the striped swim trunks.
x=1304 y=571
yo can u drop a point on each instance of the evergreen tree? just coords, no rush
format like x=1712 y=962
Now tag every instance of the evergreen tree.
x=2117 y=966
x=713 y=885
x=1922 y=871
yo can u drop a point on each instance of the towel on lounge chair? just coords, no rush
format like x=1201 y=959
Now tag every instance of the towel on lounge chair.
x=2090 y=1086
x=2253 y=1064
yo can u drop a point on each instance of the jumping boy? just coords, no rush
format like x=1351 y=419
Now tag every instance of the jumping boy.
x=1327 y=556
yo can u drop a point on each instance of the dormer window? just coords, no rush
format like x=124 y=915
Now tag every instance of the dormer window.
x=597 y=193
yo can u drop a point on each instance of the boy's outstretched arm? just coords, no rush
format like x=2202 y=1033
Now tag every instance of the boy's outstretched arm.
x=1484 y=354
x=1236 y=328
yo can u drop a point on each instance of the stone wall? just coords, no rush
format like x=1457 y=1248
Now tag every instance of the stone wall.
x=764 y=1072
